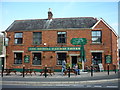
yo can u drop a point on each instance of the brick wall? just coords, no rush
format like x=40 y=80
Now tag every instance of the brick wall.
x=108 y=45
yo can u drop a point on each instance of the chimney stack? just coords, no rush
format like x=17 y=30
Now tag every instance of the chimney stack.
x=50 y=14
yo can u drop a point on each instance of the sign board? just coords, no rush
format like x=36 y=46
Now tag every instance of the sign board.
x=26 y=58
x=108 y=59
x=54 y=49
x=78 y=41
x=101 y=67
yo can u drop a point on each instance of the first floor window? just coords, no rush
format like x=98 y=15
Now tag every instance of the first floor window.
x=18 y=38
x=18 y=58
x=36 y=59
x=60 y=58
x=37 y=38
x=96 y=37
x=61 y=37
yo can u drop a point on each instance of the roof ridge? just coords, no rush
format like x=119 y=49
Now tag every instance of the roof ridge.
x=56 y=18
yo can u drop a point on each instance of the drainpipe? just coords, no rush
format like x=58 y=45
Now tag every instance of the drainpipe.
x=111 y=44
x=4 y=48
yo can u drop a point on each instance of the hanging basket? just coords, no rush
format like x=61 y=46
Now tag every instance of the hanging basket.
x=43 y=56
x=51 y=56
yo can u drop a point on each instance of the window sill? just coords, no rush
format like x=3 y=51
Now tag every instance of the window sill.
x=36 y=44
x=18 y=44
x=36 y=65
x=61 y=44
x=96 y=44
x=58 y=65
x=17 y=64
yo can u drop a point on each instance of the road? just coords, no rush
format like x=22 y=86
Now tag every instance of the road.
x=100 y=81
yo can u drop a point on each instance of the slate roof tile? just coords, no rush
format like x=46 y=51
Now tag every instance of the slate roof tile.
x=55 y=23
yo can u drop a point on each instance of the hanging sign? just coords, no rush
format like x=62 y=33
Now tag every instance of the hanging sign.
x=26 y=58
x=78 y=41
x=108 y=59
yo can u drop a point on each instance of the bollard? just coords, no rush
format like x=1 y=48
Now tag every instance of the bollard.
x=23 y=71
x=108 y=69
x=2 y=71
x=115 y=68
x=91 y=71
x=69 y=72
x=45 y=72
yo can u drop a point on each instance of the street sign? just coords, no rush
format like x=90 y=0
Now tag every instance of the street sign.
x=78 y=41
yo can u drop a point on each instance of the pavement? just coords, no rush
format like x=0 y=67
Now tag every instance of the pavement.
x=99 y=79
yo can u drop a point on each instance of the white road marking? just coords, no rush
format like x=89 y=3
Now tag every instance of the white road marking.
x=112 y=86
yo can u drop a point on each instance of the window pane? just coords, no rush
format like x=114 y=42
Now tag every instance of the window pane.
x=36 y=58
x=17 y=58
x=18 y=35
x=18 y=38
x=61 y=37
x=98 y=33
x=37 y=38
x=63 y=32
x=18 y=41
x=93 y=33
x=60 y=58
x=62 y=40
x=96 y=37
x=96 y=40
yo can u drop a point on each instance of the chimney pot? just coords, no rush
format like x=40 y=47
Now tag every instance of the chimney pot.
x=50 y=14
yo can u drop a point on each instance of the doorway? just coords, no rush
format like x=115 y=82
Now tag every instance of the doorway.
x=74 y=60
x=96 y=60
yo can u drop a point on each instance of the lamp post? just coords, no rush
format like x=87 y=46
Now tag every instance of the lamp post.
x=69 y=71
x=108 y=69
x=115 y=68
x=2 y=71
x=23 y=70
x=45 y=71
x=91 y=70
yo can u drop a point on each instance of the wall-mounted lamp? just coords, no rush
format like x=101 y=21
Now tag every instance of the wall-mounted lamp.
x=45 y=44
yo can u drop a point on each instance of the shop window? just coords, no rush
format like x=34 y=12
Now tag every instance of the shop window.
x=60 y=58
x=96 y=58
x=36 y=59
x=37 y=38
x=96 y=37
x=61 y=37
x=18 y=58
x=18 y=38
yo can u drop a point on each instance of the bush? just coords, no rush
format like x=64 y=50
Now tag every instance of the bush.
x=68 y=65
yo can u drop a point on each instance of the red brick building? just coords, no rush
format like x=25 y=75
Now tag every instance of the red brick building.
x=39 y=42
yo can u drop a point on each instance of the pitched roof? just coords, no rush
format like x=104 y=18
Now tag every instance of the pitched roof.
x=55 y=23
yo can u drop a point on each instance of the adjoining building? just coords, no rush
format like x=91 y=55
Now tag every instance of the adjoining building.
x=39 y=42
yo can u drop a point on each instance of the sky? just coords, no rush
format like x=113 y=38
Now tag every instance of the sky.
x=11 y=11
